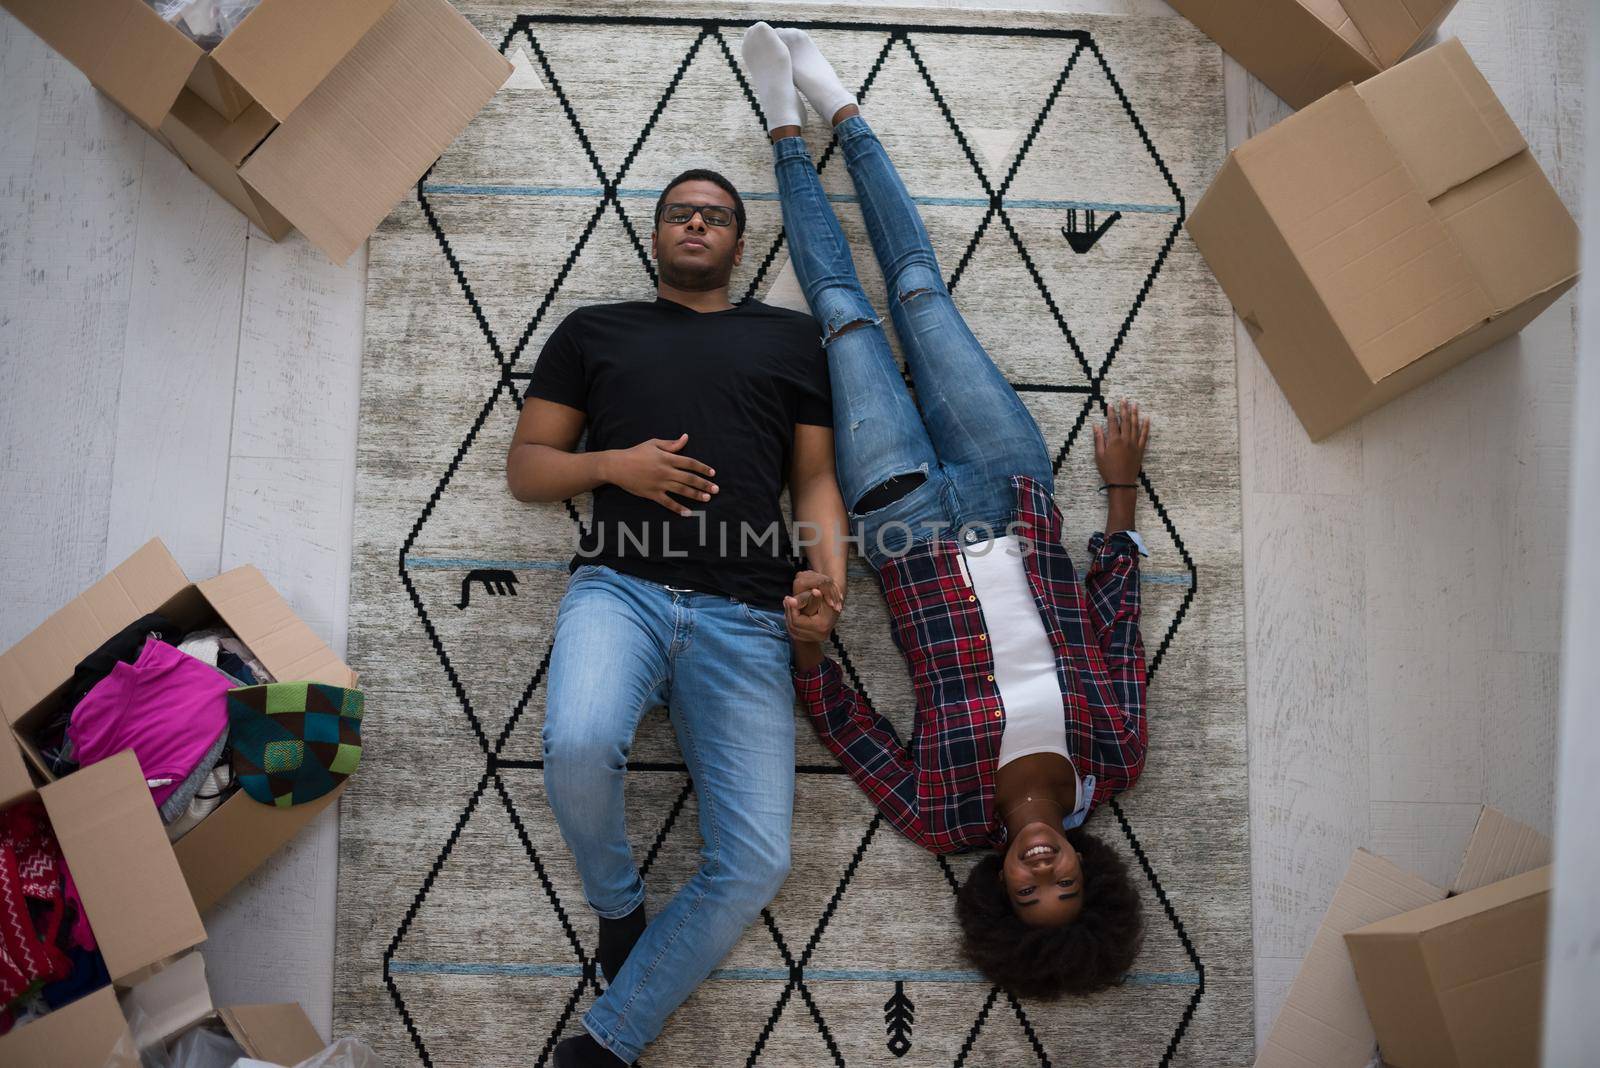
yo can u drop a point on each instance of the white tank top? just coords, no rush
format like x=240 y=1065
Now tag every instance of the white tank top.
x=1024 y=662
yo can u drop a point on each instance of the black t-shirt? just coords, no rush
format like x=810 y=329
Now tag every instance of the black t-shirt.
x=737 y=382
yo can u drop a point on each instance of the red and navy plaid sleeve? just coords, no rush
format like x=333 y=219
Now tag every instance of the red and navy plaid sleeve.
x=865 y=743
x=1113 y=588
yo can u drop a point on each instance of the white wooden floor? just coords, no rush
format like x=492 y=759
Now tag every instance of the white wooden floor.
x=165 y=370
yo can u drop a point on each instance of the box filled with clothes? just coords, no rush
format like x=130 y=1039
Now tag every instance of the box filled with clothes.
x=245 y=723
x=302 y=114
x=91 y=897
x=162 y=1016
x=1305 y=49
x=1384 y=234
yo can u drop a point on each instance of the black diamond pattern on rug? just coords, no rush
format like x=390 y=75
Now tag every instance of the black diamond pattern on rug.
x=830 y=996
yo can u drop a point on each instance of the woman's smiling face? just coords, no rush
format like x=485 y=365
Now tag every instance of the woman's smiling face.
x=1044 y=881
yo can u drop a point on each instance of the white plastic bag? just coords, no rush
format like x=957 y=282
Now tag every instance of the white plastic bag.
x=345 y=1053
x=205 y=22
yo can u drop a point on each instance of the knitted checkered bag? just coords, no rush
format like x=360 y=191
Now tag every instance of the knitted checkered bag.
x=293 y=741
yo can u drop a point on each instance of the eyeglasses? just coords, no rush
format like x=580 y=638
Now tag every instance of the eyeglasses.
x=714 y=214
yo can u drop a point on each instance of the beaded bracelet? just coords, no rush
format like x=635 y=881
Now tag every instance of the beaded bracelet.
x=1118 y=485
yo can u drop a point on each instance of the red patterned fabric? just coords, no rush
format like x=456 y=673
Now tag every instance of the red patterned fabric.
x=940 y=792
x=31 y=866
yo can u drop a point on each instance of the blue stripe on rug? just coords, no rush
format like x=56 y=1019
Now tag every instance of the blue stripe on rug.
x=818 y=975
x=837 y=198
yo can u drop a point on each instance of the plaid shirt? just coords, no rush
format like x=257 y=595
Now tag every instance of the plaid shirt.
x=940 y=792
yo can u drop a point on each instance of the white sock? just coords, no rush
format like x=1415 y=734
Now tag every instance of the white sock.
x=766 y=61
x=815 y=75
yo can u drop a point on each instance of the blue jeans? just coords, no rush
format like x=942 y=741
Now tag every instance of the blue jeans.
x=623 y=646
x=973 y=433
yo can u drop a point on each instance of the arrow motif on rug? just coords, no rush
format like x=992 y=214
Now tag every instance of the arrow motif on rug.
x=496 y=580
x=1084 y=240
x=898 y=1015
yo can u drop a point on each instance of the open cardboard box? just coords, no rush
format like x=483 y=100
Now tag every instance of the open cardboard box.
x=1384 y=234
x=132 y=891
x=1460 y=982
x=310 y=115
x=1325 y=1022
x=95 y=1032
x=241 y=833
x=177 y=999
x=1305 y=49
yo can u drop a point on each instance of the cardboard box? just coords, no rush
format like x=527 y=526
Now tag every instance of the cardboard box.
x=1305 y=49
x=86 y=1034
x=1459 y=983
x=236 y=838
x=1383 y=235
x=177 y=999
x=133 y=893
x=1324 y=1021
x=310 y=115
x=276 y=56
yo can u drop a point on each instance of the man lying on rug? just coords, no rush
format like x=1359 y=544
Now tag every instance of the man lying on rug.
x=998 y=633
x=687 y=398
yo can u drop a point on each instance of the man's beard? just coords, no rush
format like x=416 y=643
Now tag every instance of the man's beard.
x=695 y=277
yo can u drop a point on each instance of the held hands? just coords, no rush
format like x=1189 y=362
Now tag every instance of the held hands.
x=813 y=608
x=654 y=468
x=1119 y=444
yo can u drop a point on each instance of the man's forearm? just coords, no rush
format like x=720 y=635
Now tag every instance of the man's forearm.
x=819 y=513
x=541 y=473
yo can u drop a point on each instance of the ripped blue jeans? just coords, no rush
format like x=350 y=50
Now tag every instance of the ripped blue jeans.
x=973 y=432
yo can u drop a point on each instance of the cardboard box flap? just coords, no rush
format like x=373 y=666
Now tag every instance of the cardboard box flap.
x=1457 y=908
x=232 y=842
x=1391 y=27
x=212 y=147
x=263 y=620
x=1301 y=49
x=1333 y=15
x=14 y=778
x=80 y=1035
x=125 y=48
x=1323 y=1022
x=47 y=657
x=170 y=1001
x=1442 y=118
x=378 y=121
x=231 y=141
x=1513 y=228
x=281 y=1034
x=284 y=49
x=1394 y=281
x=1500 y=847
x=1460 y=981
x=122 y=864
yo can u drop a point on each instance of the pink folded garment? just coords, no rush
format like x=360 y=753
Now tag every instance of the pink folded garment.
x=166 y=706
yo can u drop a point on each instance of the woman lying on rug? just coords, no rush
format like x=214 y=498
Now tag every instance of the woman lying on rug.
x=997 y=631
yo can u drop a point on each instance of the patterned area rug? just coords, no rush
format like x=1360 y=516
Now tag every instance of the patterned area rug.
x=1053 y=158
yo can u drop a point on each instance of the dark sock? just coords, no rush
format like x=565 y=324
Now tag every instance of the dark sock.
x=889 y=492
x=584 y=1052
x=616 y=941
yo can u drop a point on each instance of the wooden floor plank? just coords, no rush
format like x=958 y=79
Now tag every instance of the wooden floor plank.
x=176 y=408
